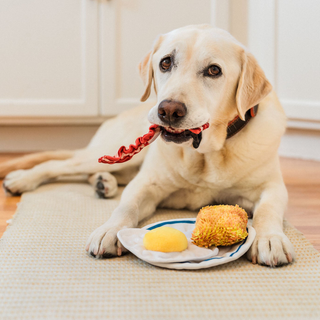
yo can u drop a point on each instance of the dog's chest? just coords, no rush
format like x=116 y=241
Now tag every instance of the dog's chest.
x=206 y=172
x=200 y=174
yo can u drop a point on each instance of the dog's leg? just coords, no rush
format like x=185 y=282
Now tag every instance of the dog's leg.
x=19 y=181
x=85 y=162
x=30 y=160
x=139 y=200
x=271 y=246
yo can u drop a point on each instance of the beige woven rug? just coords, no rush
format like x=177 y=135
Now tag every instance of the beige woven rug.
x=46 y=274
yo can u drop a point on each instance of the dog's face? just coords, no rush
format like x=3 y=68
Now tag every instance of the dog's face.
x=201 y=75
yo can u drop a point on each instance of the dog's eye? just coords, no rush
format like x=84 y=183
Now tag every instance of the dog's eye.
x=213 y=71
x=165 y=64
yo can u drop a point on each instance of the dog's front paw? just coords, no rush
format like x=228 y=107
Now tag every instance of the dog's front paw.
x=19 y=181
x=271 y=249
x=103 y=242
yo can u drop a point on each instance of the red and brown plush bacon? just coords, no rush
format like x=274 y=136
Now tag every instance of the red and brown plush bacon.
x=125 y=154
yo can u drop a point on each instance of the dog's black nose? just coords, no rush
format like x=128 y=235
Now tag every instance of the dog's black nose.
x=171 y=112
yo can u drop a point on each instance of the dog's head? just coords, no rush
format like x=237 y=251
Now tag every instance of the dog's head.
x=201 y=75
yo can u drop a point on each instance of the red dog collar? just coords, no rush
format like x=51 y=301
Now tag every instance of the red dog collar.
x=237 y=124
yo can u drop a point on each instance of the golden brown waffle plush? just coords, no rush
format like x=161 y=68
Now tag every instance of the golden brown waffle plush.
x=221 y=225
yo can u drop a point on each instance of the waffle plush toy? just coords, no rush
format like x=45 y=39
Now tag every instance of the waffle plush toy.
x=222 y=225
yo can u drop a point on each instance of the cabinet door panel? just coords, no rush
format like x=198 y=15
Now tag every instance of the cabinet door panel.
x=48 y=58
x=128 y=29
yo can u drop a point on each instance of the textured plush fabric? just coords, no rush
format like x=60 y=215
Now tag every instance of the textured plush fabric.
x=46 y=274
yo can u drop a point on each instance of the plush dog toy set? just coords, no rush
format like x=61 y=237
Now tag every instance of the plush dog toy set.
x=215 y=226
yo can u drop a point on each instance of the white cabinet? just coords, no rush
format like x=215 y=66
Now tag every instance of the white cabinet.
x=48 y=58
x=128 y=30
x=298 y=76
x=73 y=58
x=284 y=36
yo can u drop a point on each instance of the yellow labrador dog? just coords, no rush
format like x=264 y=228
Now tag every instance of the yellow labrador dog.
x=201 y=75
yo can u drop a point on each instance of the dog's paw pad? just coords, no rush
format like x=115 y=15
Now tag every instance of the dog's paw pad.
x=105 y=185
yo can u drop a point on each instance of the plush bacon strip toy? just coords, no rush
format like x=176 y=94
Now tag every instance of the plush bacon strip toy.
x=125 y=154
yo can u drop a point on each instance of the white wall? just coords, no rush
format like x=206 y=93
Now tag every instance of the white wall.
x=282 y=34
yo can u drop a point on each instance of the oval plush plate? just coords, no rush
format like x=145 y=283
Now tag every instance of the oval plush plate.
x=132 y=239
x=160 y=259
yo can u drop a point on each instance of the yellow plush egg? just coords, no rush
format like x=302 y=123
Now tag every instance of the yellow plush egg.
x=165 y=239
x=220 y=226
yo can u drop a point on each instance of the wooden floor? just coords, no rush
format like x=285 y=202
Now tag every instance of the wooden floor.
x=301 y=177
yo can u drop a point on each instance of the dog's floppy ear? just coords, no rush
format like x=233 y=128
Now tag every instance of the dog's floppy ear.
x=146 y=70
x=253 y=85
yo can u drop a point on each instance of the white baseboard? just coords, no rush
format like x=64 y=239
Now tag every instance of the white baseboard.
x=37 y=138
x=301 y=110
x=303 y=144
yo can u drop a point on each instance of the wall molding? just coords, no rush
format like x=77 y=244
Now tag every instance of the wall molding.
x=43 y=137
x=300 y=124
x=301 y=144
x=51 y=121
x=300 y=109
